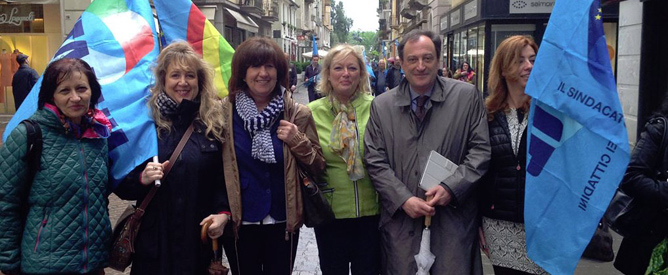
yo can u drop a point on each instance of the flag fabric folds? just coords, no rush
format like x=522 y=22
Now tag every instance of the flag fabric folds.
x=578 y=145
x=118 y=40
x=182 y=20
x=315 y=47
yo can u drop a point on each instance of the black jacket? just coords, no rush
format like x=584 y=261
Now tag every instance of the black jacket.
x=22 y=83
x=393 y=77
x=502 y=188
x=168 y=241
x=650 y=192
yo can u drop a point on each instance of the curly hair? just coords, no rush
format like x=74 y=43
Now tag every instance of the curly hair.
x=339 y=52
x=505 y=61
x=181 y=55
x=253 y=52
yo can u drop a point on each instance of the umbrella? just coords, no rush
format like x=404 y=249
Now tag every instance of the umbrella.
x=321 y=53
x=424 y=259
x=216 y=267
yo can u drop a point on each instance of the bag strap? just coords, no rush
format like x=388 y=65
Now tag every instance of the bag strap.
x=294 y=113
x=34 y=143
x=172 y=159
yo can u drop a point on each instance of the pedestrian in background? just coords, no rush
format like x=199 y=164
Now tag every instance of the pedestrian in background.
x=502 y=188
x=312 y=77
x=465 y=73
x=381 y=78
x=263 y=154
x=426 y=113
x=293 y=74
x=645 y=182
x=352 y=242
x=193 y=192
x=66 y=229
x=394 y=73
x=23 y=81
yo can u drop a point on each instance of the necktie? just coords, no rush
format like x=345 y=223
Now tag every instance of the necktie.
x=420 y=111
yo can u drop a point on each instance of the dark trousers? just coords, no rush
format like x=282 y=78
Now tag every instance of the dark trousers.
x=262 y=249
x=312 y=94
x=349 y=241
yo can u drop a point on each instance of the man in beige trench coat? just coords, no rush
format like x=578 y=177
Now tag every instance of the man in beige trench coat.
x=400 y=134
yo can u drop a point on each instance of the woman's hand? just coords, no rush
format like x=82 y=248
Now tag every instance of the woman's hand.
x=153 y=171
x=286 y=131
x=217 y=228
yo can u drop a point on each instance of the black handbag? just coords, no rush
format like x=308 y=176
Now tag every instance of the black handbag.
x=600 y=246
x=316 y=210
x=625 y=215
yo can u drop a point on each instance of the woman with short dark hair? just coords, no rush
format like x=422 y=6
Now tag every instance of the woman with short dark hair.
x=264 y=152
x=66 y=229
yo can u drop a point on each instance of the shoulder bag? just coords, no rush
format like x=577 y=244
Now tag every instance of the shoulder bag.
x=317 y=210
x=128 y=223
x=624 y=215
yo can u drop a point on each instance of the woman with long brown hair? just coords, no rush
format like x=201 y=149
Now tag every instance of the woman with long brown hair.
x=502 y=202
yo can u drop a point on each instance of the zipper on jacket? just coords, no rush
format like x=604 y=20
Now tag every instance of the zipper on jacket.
x=39 y=232
x=357 y=136
x=85 y=201
x=357 y=200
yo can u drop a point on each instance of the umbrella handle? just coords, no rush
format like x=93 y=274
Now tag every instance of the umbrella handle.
x=204 y=236
x=427 y=218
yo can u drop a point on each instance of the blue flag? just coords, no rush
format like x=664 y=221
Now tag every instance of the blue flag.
x=368 y=66
x=315 y=47
x=118 y=40
x=578 y=145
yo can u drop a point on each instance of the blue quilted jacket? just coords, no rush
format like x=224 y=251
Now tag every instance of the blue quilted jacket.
x=67 y=229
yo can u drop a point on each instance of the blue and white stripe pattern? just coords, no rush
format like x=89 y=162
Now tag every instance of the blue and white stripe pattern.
x=258 y=124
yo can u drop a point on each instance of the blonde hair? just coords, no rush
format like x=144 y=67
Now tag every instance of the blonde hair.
x=181 y=55
x=342 y=51
x=505 y=61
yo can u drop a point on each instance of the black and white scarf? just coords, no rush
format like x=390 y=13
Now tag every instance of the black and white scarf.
x=166 y=104
x=258 y=124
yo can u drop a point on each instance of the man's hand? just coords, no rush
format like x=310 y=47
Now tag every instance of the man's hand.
x=416 y=207
x=440 y=196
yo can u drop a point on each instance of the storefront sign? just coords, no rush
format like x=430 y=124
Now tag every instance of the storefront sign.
x=13 y=17
x=444 y=23
x=470 y=10
x=531 y=6
x=455 y=18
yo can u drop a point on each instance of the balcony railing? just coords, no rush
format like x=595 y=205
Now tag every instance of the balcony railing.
x=252 y=6
x=270 y=12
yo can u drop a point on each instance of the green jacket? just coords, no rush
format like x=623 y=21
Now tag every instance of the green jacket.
x=348 y=199
x=67 y=229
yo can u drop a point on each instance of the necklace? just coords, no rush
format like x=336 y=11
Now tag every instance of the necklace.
x=516 y=148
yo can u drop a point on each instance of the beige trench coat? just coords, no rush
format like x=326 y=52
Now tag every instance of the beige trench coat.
x=304 y=150
x=397 y=148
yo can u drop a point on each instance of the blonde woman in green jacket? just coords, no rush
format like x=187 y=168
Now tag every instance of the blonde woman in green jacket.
x=353 y=239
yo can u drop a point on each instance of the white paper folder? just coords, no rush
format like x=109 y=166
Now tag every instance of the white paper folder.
x=438 y=169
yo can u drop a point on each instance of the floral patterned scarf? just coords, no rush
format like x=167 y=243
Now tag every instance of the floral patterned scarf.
x=344 y=138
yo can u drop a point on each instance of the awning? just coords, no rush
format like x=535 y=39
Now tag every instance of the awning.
x=243 y=22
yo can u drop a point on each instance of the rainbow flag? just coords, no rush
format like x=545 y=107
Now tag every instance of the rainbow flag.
x=182 y=20
x=117 y=38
